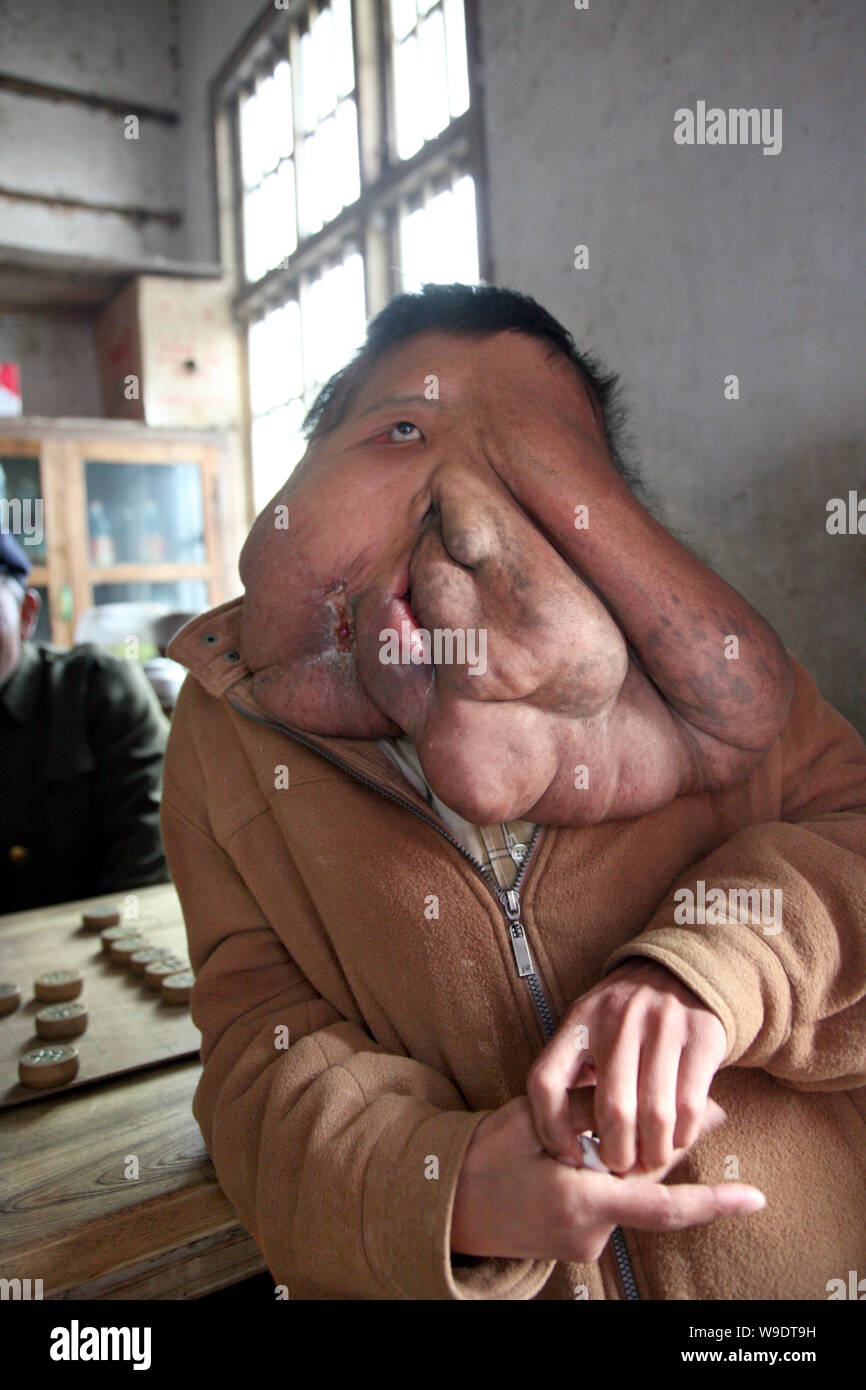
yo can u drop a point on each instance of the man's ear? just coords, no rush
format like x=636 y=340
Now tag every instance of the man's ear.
x=30 y=607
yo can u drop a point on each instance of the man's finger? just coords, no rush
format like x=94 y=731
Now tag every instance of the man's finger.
x=712 y=1118
x=698 y=1066
x=581 y=1114
x=657 y=1093
x=654 y=1207
x=616 y=1097
x=547 y=1089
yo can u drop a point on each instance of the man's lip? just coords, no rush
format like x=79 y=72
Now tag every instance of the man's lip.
x=402 y=583
x=399 y=599
x=397 y=612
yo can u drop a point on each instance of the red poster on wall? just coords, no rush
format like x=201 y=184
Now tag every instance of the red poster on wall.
x=10 y=388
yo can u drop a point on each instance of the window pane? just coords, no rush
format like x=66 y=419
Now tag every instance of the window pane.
x=309 y=186
x=431 y=79
x=275 y=362
x=254 y=236
x=285 y=216
x=268 y=211
x=330 y=201
x=439 y=242
x=318 y=75
x=323 y=47
x=328 y=169
x=277 y=445
x=408 y=87
x=465 y=232
x=283 y=118
x=455 y=42
x=434 y=72
x=251 y=164
x=346 y=165
x=403 y=16
x=333 y=317
x=268 y=124
x=344 y=63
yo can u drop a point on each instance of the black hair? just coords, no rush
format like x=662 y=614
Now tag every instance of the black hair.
x=473 y=310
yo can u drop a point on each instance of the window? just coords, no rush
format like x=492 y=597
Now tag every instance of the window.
x=351 y=155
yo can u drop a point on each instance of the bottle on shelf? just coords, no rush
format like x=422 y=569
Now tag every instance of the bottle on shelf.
x=152 y=540
x=101 y=541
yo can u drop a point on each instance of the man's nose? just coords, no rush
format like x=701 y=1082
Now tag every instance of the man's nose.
x=469 y=514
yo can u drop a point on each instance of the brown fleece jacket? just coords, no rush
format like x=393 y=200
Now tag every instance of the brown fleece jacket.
x=308 y=909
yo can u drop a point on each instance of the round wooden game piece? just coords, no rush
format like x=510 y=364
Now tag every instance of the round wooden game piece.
x=158 y=970
x=99 y=917
x=119 y=933
x=48 y=1066
x=141 y=959
x=176 y=989
x=122 y=951
x=62 y=1020
x=57 y=985
x=10 y=998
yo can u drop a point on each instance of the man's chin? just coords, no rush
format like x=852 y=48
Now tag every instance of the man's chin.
x=324 y=698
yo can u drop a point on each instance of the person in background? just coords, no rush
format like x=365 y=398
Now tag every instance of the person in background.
x=166 y=676
x=82 y=739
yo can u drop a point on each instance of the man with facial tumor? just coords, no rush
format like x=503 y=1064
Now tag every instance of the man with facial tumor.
x=432 y=904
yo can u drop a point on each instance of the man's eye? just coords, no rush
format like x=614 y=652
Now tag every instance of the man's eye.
x=403 y=431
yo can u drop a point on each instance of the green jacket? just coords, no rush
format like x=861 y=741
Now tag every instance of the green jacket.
x=82 y=739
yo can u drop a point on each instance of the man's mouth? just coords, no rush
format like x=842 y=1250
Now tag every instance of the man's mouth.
x=399 y=604
x=397 y=609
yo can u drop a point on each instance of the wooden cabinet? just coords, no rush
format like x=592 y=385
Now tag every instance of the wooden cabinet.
x=113 y=512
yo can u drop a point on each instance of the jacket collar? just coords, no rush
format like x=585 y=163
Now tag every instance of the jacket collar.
x=209 y=647
x=19 y=692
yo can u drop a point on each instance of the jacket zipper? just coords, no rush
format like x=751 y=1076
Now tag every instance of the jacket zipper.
x=510 y=902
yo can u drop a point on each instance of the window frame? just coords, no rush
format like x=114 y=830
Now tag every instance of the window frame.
x=370 y=224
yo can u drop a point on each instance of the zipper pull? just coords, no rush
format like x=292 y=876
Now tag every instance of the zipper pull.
x=511 y=902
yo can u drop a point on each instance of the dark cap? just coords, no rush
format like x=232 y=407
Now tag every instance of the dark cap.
x=13 y=558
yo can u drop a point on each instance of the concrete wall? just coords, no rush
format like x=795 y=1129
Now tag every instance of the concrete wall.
x=57 y=356
x=63 y=149
x=209 y=31
x=703 y=262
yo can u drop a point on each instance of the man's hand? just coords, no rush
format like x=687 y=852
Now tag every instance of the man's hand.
x=650 y=1048
x=514 y=1201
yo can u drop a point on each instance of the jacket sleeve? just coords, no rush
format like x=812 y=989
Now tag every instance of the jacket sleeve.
x=341 y=1159
x=790 y=988
x=128 y=733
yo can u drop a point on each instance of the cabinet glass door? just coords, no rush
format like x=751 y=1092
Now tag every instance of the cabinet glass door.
x=21 y=504
x=181 y=595
x=144 y=514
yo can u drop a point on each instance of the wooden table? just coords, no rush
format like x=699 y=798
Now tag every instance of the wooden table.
x=68 y=1214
